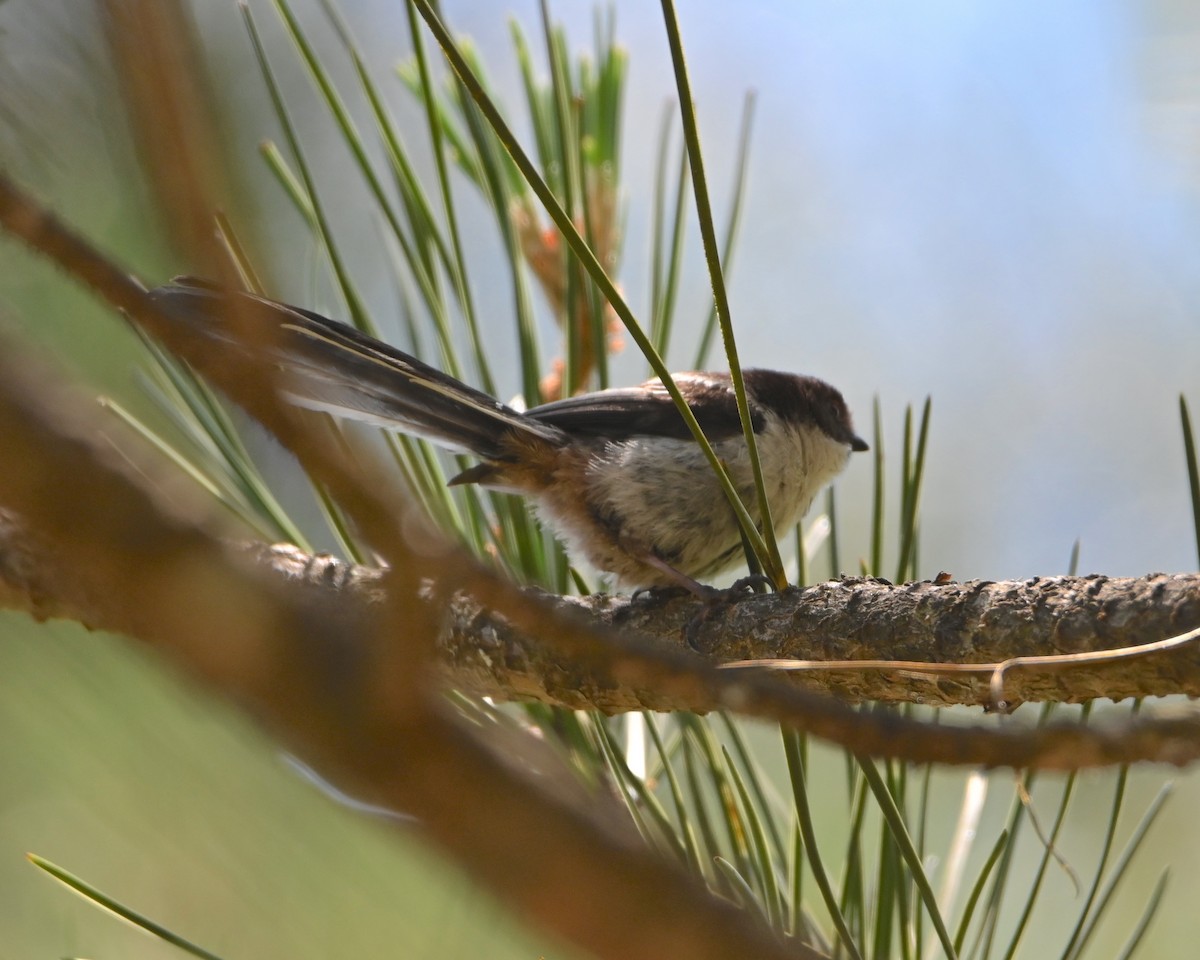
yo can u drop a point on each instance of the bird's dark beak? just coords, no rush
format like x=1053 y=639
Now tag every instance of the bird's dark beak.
x=858 y=444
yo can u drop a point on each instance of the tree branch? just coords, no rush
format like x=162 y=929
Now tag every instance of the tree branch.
x=483 y=652
x=926 y=625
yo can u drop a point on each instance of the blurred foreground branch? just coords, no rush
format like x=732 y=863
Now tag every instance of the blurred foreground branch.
x=357 y=705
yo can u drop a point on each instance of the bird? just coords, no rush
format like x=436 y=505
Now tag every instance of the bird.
x=615 y=473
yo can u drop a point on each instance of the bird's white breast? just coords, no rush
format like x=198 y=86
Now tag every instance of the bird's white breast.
x=662 y=495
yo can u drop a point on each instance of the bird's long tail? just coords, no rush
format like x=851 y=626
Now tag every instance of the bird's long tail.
x=329 y=366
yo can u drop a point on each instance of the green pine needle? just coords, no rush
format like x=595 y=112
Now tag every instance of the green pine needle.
x=115 y=907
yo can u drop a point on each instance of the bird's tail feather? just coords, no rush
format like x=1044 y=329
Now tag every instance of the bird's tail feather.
x=329 y=366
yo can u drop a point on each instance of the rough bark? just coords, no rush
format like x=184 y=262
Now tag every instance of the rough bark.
x=978 y=622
